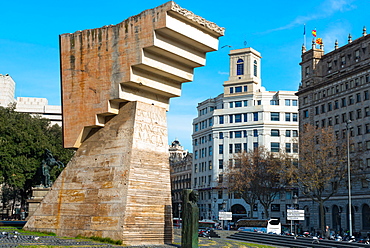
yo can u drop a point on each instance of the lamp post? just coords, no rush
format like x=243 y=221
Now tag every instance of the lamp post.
x=179 y=208
x=295 y=206
x=223 y=206
x=349 y=181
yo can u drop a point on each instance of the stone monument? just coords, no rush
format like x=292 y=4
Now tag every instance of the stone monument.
x=116 y=84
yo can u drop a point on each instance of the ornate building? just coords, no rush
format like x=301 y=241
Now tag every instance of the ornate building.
x=335 y=92
x=180 y=164
x=245 y=116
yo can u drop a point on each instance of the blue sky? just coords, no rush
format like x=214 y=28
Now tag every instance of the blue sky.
x=29 y=49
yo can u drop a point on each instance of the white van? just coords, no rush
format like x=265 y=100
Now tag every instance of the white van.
x=274 y=226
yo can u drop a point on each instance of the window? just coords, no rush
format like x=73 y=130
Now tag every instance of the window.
x=358 y=97
x=366 y=95
x=238 y=89
x=238 y=118
x=275 y=116
x=238 y=134
x=255 y=68
x=244 y=133
x=322 y=108
x=231 y=134
x=245 y=117
x=238 y=104
x=295 y=102
x=231 y=104
x=287 y=102
x=330 y=107
x=288 y=148
x=210 y=151
x=274 y=102
x=275 y=146
x=231 y=90
x=245 y=88
x=287 y=133
x=351 y=100
x=295 y=147
x=367 y=128
x=295 y=117
x=196 y=142
x=220 y=135
x=259 y=102
x=245 y=103
x=367 y=111
x=359 y=130
x=359 y=114
x=238 y=147
x=295 y=133
x=196 y=127
x=275 y=132
x=317 y=110
x=231 y=118
x=221 y=149
x=210 y=121
x=230 y=148
x=255 y=116
x=336 y=119
x=255 y=133
x=221 y=164
x=240 y=67
x=221 y=119
x=344 y=102
x=196 y=154
x=305 y=114
x=336 y=104
x=287 y=116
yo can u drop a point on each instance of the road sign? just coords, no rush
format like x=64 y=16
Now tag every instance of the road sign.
x=294 y=214
x=225 y=215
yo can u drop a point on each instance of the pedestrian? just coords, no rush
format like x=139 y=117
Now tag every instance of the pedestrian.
x=327 y=232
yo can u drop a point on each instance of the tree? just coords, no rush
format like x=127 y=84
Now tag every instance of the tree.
x=321 y=170
x=256 y=175
x=23 y=140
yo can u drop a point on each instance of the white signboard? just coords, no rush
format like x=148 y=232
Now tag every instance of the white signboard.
x=293 y=214
x=225 y=215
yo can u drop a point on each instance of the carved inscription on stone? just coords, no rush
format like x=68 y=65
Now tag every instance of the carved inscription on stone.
x=151 y=128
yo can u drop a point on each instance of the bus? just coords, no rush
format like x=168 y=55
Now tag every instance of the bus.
x=203 y=224
x=254 y=225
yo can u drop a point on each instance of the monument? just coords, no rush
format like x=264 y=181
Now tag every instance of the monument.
x=116 y=84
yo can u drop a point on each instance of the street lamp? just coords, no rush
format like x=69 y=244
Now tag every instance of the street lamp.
x=348 y=122
x=295 y=206
x=223 y=206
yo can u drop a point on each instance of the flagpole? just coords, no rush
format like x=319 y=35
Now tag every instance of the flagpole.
x=304 y=35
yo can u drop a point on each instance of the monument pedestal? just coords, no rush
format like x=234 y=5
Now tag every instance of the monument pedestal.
x=117 y=185
x=38 y=194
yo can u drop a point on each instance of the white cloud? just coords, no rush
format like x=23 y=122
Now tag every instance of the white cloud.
x=327 y=8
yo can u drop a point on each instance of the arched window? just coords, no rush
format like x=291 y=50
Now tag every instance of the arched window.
x=255 y=68
x=366 y=217
x=240 y=67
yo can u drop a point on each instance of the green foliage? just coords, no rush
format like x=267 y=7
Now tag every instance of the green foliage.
x=23 y=140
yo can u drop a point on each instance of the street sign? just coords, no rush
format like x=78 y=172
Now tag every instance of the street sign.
x=225 y=215
x=294 y=214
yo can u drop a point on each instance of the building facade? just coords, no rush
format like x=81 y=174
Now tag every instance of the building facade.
x=30 y=105
x=180 y=165
x=334 y=92
x=245 y=116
